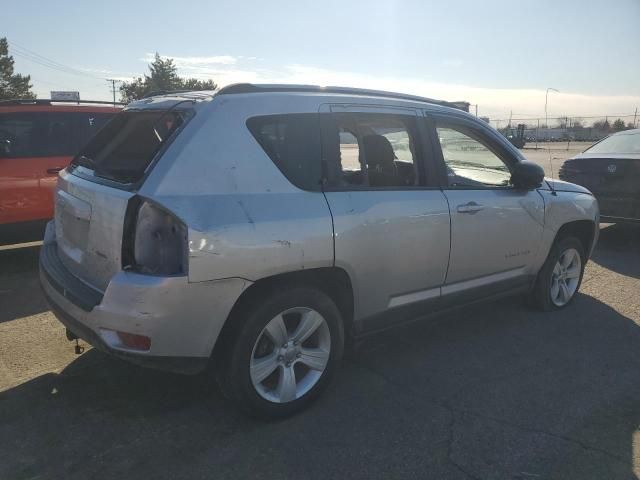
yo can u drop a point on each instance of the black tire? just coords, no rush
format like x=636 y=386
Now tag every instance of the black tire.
x=233 y=370
x=540 y=297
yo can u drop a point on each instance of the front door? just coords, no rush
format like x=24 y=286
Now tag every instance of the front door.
x=495 y=228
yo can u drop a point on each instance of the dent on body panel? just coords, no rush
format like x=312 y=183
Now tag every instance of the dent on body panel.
x=254 y=236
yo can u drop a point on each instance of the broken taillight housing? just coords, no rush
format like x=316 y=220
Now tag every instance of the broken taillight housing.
x=154 y=240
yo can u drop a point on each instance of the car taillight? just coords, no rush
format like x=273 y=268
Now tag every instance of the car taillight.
x=154 y=240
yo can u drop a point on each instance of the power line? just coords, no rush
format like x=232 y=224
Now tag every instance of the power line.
x=47 y=62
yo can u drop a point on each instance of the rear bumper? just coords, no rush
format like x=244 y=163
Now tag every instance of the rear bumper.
x=182 y=319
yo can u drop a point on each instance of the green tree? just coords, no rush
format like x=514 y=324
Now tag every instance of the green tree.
x=163 y=76
x=12 y=85
x=618 y=125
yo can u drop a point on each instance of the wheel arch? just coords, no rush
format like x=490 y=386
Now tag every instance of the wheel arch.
x=583 y=230
x=333 y=281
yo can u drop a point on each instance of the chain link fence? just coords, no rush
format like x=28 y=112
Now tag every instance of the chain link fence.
x=563 y=129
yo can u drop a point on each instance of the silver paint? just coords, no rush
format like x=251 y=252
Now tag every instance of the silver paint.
x=247 y=222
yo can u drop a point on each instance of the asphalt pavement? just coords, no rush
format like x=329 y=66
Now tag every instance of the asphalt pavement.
x=492 y=391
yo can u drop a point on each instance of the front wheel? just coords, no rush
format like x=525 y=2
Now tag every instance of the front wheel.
x=284 y=353
x=560 y=276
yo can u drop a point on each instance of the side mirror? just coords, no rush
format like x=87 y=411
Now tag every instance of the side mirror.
x=527 y=175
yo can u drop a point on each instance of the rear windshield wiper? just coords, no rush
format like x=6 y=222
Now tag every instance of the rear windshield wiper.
x=85 y=161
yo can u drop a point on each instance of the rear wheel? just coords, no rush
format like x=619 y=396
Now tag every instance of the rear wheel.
x=560 y=276
x=284 y=353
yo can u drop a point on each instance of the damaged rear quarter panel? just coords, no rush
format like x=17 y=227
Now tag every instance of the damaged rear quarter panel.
x=244 y=218
x=256 y=236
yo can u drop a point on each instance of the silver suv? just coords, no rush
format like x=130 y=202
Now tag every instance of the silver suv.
x=250 y=233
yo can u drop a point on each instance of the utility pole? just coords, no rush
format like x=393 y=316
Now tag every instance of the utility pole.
x=113 y=88
x=634 y=117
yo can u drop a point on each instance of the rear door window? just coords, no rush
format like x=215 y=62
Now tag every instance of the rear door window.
x=292 y=142
x=371 y=150
x=126 y=146
x=37 y=134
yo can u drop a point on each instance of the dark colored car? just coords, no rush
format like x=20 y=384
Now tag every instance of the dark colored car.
x=611 y=170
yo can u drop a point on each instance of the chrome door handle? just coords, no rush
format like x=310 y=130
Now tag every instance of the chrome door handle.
x=471 y=207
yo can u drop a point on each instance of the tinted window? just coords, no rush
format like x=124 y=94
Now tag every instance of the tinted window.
x=37 y=134
x=469 y=161
x=125 y=147
x=88 y=124
x=619 y=143
x=292 y=142
x=370 y=150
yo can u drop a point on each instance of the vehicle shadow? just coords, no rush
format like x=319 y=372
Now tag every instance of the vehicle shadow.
x=618 y=249
x=20 y=294
x=490 y=391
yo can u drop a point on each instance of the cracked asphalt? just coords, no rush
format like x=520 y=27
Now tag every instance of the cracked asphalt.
x=492 y=391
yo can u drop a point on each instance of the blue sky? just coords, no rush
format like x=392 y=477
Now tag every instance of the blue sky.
x=501 y=55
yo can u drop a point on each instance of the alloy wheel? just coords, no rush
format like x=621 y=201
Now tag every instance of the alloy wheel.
x=290 y=355
x=565 y=277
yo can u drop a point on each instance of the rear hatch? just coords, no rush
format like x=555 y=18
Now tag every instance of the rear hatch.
x=93 y=193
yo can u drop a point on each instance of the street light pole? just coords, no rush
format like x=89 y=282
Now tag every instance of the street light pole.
x=546 y=119
x=546 y=101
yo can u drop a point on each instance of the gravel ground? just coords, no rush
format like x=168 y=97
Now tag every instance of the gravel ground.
x=494 y=391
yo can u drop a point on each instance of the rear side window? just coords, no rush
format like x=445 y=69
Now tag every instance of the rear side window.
x=37 y=134
x=292 y=142
x=125 y=147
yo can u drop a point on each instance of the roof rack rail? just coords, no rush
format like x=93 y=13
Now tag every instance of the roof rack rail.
x=156 y=93
x=46 y=101
x=238 y=88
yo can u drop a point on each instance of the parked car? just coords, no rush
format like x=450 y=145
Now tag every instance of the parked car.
x=251 y=232
x=611 y=170
x=38 y=138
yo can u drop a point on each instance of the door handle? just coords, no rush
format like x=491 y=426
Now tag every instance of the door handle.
x=471 y=208
x=54 y=170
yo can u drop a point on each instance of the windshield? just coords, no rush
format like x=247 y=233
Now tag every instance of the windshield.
x=620 y=143
x=125 y=147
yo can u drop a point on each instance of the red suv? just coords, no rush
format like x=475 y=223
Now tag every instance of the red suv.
x=38 y=138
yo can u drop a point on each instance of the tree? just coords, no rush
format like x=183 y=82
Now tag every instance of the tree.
x=618 y=125
x=604 y=126
x=163 y=76
x=12 y=86
x=577 y=123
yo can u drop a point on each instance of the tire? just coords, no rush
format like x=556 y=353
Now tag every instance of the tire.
x=548 y=294
x=252 y=352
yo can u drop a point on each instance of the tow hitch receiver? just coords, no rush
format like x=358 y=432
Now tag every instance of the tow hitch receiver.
x=71 y=337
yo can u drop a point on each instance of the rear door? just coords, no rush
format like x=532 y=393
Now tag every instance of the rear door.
x=68 y=132
x=34 y=145
x=59 y=145
x=391 y=222
x=495 y=228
